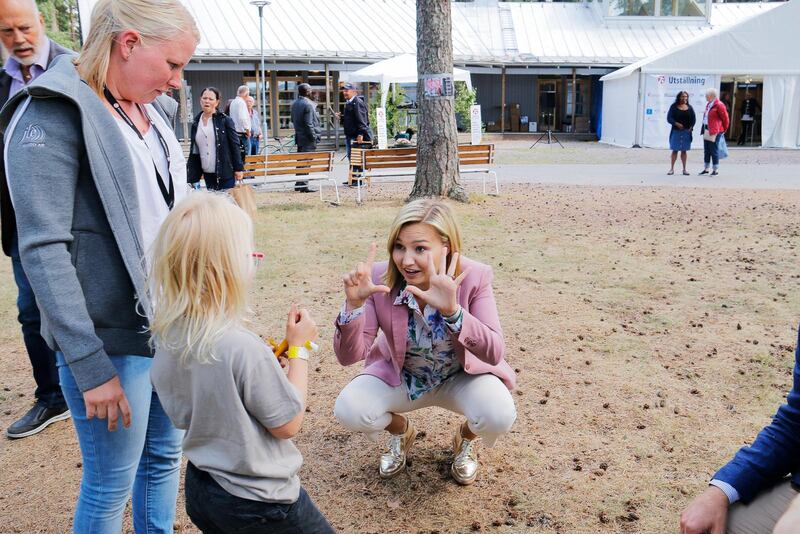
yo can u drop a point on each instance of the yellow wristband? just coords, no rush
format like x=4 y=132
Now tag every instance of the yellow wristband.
x=297 y=352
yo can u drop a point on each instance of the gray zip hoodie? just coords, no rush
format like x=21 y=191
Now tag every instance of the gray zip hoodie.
x=73 y=186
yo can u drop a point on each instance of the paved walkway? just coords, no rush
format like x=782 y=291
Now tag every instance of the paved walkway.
x=733 y=176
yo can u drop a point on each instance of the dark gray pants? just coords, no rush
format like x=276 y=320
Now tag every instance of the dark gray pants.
x=304 y=148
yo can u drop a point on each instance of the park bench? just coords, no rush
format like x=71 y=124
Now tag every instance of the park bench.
x=396 y=163
x=285 y=168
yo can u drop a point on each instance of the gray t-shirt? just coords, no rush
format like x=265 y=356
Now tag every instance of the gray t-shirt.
x=226 y=407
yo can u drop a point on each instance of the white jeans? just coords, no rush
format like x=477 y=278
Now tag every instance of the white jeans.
x=366 y=404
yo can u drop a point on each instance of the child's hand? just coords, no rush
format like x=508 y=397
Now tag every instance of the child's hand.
x=300 y=327
x=358 y=284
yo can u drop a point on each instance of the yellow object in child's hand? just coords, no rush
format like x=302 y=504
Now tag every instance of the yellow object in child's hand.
x=279 y=349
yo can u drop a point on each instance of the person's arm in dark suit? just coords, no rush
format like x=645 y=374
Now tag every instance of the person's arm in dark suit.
x=775 y=451
x=308 y=122
x=362 y=117
x=692 y=118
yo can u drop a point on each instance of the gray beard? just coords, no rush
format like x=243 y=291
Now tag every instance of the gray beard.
x=27 y=61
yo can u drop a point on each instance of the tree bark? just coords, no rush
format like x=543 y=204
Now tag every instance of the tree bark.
x=437 y=141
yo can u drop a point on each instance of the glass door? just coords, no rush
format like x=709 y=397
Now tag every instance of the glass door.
x=547 y=90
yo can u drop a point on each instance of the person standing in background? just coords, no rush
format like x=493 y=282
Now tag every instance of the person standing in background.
x=750 y=107
x=30 y=53
x=241 y=118
x=307 y=126
x=255 y=127
x=682 y=118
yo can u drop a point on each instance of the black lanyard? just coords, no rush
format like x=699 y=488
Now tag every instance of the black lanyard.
x=168 y=194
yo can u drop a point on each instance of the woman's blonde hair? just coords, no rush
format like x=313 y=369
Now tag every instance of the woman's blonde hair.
x=155 y=20
x=201 y=267
x=435 y=213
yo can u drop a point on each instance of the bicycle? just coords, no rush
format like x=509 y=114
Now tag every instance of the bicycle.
x=279 y=145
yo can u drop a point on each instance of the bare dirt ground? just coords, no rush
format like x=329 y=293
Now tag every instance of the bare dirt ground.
x=652 y=331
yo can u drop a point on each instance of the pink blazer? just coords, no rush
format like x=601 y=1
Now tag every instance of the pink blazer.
x=479 y=346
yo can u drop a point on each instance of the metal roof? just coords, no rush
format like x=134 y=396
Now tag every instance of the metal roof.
x=367 y=30
x=575 y=34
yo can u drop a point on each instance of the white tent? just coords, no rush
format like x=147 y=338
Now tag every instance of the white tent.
x=399 y=69
x=636 y=97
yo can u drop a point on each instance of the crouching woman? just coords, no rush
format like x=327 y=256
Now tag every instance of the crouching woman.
x=427 y=327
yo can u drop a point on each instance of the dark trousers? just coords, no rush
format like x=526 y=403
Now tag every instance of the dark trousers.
x=215 y=511
x=213 y=183
x=746 y=127
x=244 y=145
x=304 y=148
x=710 y=153
x=43 y=360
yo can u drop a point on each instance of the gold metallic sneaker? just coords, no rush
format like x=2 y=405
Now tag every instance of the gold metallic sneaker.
x=465 y=460
x=393 y=461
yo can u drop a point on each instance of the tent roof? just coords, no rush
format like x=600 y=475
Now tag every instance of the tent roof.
x=399 y=69
x=506 y=33
x=763 y=44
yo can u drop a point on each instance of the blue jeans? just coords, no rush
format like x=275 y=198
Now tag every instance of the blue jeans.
x=254 y=145
x=145 y=458
x=215 y=511
x=43 y=359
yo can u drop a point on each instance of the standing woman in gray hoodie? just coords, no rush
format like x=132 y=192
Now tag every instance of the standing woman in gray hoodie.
x=93 y=169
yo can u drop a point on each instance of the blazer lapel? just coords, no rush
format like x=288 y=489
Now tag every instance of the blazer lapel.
x=399 y=315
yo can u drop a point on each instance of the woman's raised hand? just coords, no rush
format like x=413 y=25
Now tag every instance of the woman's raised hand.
x=443 y=285
x=358 y=284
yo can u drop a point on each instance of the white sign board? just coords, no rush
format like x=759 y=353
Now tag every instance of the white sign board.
x=660 y=93
x=380 y=116
x=475 y=124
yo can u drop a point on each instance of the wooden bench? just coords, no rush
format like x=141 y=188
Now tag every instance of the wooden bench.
x=295 y=167
x=366 y=164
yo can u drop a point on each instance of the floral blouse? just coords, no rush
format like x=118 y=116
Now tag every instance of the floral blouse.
x=430 y=358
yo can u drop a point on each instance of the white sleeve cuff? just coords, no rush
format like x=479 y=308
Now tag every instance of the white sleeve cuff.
x=727 y=489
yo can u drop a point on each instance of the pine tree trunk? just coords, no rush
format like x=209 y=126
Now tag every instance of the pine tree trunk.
x=437 y=141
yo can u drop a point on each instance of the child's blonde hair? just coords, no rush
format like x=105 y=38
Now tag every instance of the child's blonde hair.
x=435 y=213
x=200 y=274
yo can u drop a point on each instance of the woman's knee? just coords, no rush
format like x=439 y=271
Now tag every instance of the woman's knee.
x=359 y=409
x=497 y=419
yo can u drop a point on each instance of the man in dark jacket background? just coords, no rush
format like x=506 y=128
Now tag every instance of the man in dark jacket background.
x=307 y=126
x=30 y=53
x=355 y=119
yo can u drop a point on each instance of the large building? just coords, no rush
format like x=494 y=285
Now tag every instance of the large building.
x=535 y=65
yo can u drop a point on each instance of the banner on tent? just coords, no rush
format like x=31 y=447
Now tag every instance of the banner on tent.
x=660 y=93
x=475 y=123
x=380 y=117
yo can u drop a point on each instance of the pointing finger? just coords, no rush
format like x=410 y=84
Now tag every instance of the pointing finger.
x=443 y=261
x=292 y=315
x=371 y=255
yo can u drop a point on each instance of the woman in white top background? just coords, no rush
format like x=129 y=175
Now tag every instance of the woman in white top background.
x=214 y=154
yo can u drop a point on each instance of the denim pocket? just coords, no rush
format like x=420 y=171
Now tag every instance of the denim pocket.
x=255 y=516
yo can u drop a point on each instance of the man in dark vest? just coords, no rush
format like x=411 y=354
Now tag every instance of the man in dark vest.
x=30 y=53
x=307 y=126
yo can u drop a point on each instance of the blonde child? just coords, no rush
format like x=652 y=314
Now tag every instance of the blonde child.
x=220 y=382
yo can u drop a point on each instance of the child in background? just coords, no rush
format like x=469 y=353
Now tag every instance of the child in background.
x=220 y=382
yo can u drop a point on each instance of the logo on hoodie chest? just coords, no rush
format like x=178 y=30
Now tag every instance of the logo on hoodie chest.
x=33 y=136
